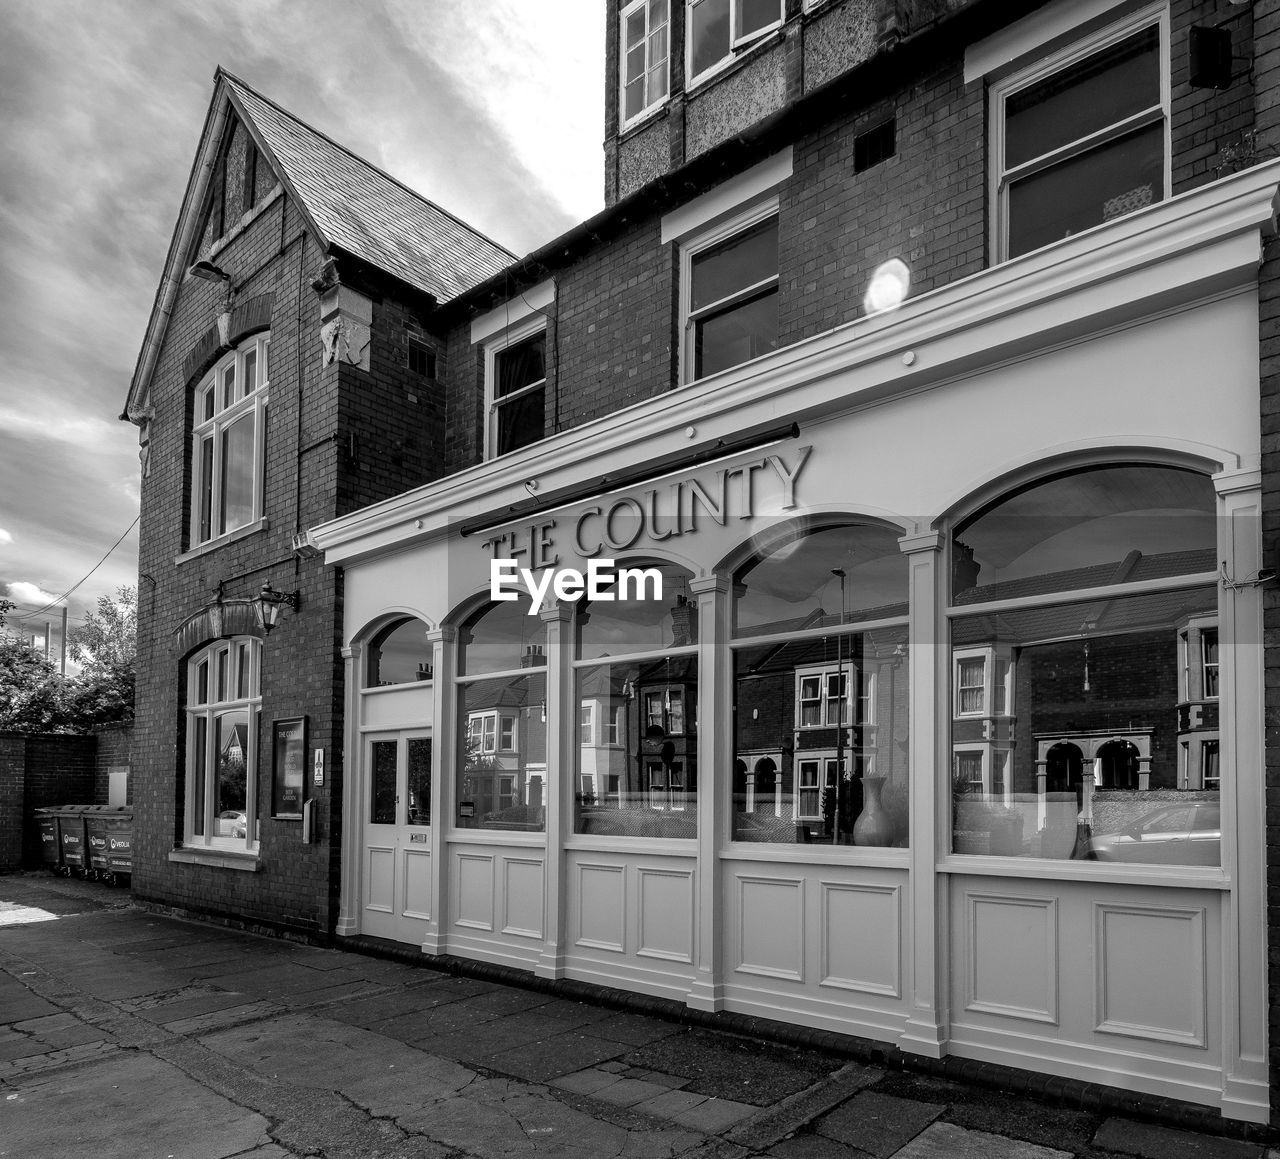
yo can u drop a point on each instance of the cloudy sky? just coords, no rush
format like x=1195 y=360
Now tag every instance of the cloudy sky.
x=492 y=108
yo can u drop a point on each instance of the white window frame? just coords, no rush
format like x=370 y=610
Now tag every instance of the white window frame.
x=738 y=40
x=587 y=722
x=1002 y=89
x=211 y=429
x=958 y=657
x=691 y=248
x=512 y=336
x=649 y=106
x=1206 y=667
x=247 y=700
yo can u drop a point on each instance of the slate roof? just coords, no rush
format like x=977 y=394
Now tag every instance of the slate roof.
x=368 y=213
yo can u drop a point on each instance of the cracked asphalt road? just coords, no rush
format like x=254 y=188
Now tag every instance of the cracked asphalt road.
x=124 y=1033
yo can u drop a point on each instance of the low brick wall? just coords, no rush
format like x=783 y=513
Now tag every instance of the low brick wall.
x=36 y=771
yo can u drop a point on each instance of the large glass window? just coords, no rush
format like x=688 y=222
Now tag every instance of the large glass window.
x=399 y=654
x=1081 y=137
x=228 y=440
x=502 y=719
x=224 y=707
x=820 y=690
x=1087 y=596
x=637 y=669
x=645 y=46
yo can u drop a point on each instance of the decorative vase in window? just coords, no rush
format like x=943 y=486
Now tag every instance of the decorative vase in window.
x=874 y=825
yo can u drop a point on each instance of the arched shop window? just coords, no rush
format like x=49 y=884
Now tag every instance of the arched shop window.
x=820 y=690
x=398 y=654
x=636 y=683
x=502 y=719
x=223 y=715
x=1070 y=604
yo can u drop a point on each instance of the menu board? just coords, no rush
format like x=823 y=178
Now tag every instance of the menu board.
x=289 y=747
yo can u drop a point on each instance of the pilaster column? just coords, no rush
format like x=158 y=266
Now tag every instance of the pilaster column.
x=443 y=643
x=715 y=785
x=1241 y=716
x=350 y=885
x=929 y=762
x=562 y=720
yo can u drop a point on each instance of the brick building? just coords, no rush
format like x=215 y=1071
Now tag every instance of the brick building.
x=923 y=352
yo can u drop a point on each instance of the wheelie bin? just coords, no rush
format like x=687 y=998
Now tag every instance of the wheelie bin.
x=71 y=842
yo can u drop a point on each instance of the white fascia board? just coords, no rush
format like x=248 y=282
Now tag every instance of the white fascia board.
x=727 y=196
x=535 y=300
x=1202 y=243
x=1037 y=31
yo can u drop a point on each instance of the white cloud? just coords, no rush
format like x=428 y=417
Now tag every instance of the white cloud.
x=5 y=537
x=26 y=593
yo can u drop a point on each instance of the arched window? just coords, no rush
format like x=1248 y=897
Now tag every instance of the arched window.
x=1069 y=597
x=228 y=439
x=224 y=707
x=636 y=677
x=502 y=718
x=399 y=654
x=820 y=689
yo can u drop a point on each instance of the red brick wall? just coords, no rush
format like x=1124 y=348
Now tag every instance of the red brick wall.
x=334 y=435
x=36 y=771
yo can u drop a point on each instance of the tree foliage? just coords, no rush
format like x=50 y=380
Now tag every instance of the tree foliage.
x=106 y=648
x=36 y=698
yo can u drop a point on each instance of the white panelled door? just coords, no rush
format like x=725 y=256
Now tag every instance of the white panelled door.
x=398 y=864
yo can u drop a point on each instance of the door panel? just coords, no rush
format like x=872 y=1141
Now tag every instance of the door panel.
x=397 y=836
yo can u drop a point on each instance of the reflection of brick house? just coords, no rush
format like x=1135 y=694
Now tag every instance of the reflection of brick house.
x=1041 y=699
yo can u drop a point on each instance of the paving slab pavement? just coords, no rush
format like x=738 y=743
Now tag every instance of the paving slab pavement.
x=125 y=1033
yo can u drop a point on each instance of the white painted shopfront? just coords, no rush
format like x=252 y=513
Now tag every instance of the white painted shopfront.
x=606 y=802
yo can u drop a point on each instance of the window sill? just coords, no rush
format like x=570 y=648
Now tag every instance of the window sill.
x=222 y=540
x=644 y=119
x=1134 y=873
x=216 y=858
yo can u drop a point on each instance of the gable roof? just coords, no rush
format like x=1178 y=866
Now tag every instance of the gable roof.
x=351 y=206
x=361 y=209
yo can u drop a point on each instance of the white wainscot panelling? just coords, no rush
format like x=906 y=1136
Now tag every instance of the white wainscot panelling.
x=522 y=896
x=771 y=927
x=381 y=878
x=861 y=937
x=665 y=914
x=473 y=900
x=417 y=883
x=1149 y=972
x=405 y=707
x=602 y=914
x=1012 y=960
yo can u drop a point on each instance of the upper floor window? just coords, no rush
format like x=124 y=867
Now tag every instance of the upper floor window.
x=645 y=47
x=1081 y=137
x=224 y=706
x=515 y=388
x=228 y=441
x=729 y=293
x=718 y=28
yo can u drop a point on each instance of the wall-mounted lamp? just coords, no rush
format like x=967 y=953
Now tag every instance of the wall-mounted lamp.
x=888 y=287
x=209 y=272
x=269 y=603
